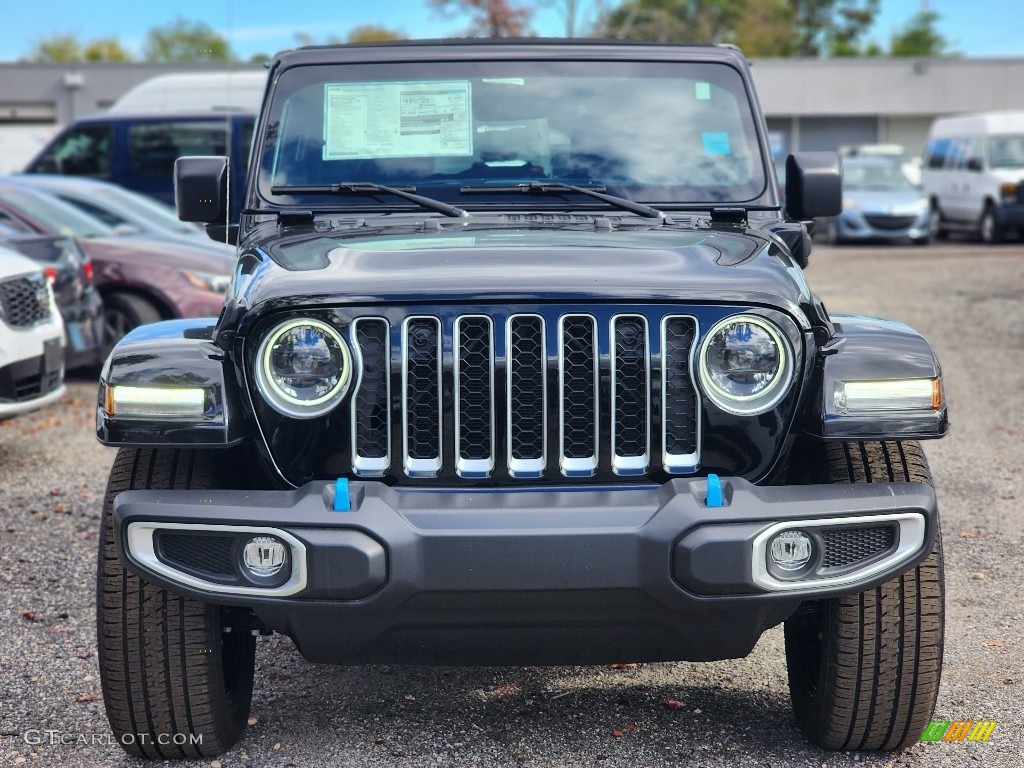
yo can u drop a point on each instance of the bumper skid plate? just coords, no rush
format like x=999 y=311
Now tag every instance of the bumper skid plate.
x=525 y=576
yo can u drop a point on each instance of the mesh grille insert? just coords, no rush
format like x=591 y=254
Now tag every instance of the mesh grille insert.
x=198 y=554
x=680 y=398
x=370 y=408
x=846 y=546
x=24 y=301
x=526 y=374
x=474 y=349
x=579 y=391
x=632 y=389
x=422 y=391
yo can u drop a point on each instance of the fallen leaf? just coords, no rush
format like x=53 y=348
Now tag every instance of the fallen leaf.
x=617 y=734
x=88 y=697
x=630 y=665
x=28 y=615
x=674 y=704
x=277 y=745
x=995 y=644
x=56 y=492
x=506 y=691
x=971 y=534
x=630 y=727
x=410 y=697
x=1007 y=681
x=978 y=576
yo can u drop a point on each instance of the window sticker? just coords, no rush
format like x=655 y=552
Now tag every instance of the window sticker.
x=703 y=91
x=716 y=143
x=367 y=121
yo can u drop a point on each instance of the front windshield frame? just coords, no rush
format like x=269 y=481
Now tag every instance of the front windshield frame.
x=56 y=215
x=747 y=150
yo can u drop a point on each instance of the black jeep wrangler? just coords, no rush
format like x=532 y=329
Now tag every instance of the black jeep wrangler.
x=518 y=366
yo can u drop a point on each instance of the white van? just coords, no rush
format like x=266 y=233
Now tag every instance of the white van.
x=31 y=338
x=973 y=174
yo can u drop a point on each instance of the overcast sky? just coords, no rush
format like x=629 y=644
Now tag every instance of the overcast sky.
x=974 y=27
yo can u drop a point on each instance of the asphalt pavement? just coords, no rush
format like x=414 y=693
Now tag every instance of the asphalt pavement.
x=967 y=299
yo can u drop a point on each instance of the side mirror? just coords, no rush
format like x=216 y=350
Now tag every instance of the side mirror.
x=814 y=185
x=201 y=188
x=974 y=164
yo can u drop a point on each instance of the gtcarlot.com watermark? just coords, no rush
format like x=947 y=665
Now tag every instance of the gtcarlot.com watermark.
x=51 y=737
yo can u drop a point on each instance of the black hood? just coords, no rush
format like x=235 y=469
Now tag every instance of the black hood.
x=669 y=264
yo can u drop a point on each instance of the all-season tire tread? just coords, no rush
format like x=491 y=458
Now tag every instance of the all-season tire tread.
x=161 y=654
x=881 y=649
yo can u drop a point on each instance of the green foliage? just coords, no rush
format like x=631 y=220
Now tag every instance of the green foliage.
x=919 y=37
x=809 y=28
x=106 y=49
x=184 y=40
x=56 y=48
x=372 y=33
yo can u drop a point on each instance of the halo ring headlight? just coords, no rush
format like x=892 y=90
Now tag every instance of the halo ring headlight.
x=303 y=368
x=745 y=365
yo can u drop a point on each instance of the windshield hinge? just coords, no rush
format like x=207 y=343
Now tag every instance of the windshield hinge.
x=293 y=218
x=729 y=215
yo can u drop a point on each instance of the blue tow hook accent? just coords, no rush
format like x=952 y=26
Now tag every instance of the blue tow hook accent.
x=714 y=498
x=342 y=502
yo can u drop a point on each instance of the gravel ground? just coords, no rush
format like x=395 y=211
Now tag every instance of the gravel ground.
x=965 y=298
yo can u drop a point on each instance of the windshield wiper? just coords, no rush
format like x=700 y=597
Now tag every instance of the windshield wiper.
x=369 y=188
x=559 y=188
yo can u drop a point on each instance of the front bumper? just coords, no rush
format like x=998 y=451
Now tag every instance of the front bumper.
x=876 y=226
x=1010 y=214
x=527 y=576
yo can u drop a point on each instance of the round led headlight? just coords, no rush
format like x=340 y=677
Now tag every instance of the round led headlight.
x=303 y=368
x=745 y=365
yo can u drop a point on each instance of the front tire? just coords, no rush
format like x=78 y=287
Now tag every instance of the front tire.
x=124 y=312
x=864 y=669
x=175 y=685
x=988 y=227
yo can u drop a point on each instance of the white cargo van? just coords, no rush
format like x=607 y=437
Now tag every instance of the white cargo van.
x=973 y=174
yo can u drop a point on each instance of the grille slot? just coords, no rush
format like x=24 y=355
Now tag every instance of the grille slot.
x=526 y=395
x=631 y=395
x=473 y=348
x=371 y=403
x=578 y=373
x=879 y=221
x=679 y=402
x=846 y=546
x=25 y=301
x=421 y=396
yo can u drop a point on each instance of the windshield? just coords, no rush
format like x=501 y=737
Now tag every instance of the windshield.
x=55 y=215
x=1006 y=151
x=875 y=177
x=146 y=209
x=660 y=133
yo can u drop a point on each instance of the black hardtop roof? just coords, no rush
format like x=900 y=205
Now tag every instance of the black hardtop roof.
x=455 y=49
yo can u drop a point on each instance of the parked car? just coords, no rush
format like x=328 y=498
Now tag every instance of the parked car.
x=136 y=142
x=518 y=367
x=70 y=274
x=31 y=338
x=141 y=280
x=879 y=203
x=126 y=211
x=973 y=174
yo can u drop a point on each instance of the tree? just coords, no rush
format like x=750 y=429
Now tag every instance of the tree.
x=678 y=21
x=184 y=40
x=106 y=49
x=763 y=31
x=489 y=18
x=919 y=37
x=831 y=27
x=372 y=33
x=56 y=48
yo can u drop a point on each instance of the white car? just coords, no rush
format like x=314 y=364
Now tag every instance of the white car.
x=31 y=338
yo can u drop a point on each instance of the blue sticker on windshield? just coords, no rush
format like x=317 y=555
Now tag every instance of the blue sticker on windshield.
x=716 y=143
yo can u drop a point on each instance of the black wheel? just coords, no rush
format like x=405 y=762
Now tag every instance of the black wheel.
x=864 y=669
x=174 y=684
x=123 y=312
x=830 y=231
x=988 y=228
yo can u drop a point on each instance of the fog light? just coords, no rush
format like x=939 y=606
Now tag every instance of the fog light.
x=264 y=556
x=790 y=550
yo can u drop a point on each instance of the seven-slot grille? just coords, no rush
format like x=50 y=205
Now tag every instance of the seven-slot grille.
x=24 y=301
x=529 y=396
